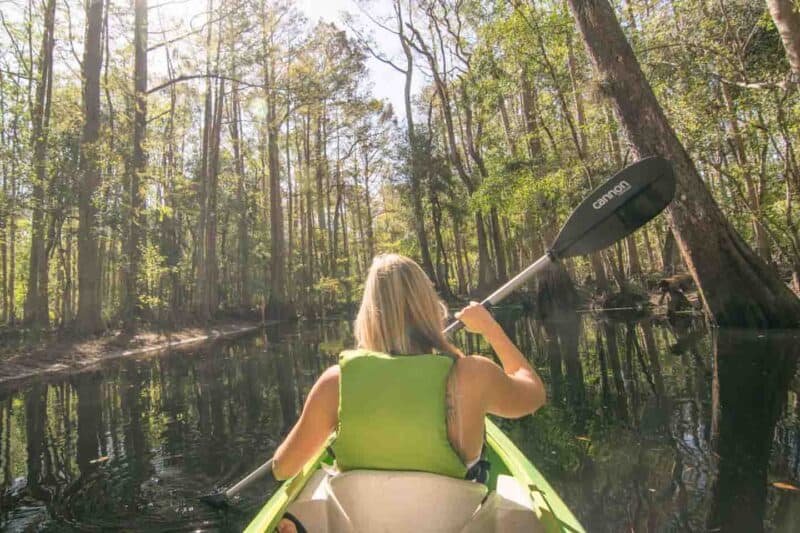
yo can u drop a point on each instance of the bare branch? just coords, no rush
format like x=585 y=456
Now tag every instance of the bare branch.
x=18 y=51
x=369 y=46
x=16 y=74
x=187 y=77
x=71 y=38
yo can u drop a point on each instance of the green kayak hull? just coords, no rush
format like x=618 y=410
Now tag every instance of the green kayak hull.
x=505 y=458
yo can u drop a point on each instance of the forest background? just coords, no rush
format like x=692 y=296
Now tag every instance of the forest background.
x=172 y=162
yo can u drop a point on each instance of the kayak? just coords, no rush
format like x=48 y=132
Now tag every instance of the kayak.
x=516 y=498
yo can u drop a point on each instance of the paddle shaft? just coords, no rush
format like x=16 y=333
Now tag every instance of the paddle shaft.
x=252 y=476
x=509 y=287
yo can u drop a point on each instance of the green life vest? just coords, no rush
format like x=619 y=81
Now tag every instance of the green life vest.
x=393 y=414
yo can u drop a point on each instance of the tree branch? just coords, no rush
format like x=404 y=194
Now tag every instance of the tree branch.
x=187 y=77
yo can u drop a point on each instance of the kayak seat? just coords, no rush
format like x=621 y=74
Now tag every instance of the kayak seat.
x=393 y=501
x=367 y=501
x=510 y=508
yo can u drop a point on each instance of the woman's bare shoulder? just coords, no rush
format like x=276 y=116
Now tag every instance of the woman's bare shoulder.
x=329 y=378
x=326 y=389
x=477 y=367
x=332 y=372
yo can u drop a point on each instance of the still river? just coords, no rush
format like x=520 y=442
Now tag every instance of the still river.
x=652 y=425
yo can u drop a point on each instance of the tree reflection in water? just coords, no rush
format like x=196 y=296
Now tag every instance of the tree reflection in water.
x=752 y=373
x=651 y=427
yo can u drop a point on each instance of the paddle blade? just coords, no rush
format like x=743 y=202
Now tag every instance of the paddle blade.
x=617 y=208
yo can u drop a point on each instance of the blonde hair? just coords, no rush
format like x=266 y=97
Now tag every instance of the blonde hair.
x=400 y=312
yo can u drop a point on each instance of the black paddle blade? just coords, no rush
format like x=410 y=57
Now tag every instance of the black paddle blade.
x=617 y=208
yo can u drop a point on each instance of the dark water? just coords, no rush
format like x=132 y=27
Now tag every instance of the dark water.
x=651 y=426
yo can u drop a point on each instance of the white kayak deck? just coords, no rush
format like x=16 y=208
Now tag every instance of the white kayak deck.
x=386 y=501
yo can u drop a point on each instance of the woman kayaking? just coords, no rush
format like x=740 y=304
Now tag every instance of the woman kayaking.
x=407 y=399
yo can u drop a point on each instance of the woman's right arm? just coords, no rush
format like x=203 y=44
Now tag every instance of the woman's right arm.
x=318 y=420
x=514 y=390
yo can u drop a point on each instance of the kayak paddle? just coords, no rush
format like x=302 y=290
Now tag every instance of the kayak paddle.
x=221 y=499
x=614 y=210
x=623 y=204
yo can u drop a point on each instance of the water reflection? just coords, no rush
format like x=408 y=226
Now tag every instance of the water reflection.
x=132 y=445
x=679 y=430
x=651 y=426
x=751 y=381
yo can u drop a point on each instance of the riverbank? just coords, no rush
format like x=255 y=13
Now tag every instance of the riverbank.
x=56 y=354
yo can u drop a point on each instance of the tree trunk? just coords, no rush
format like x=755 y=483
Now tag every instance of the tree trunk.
x=5 y=211
x=321 y=167
x=243 y=245
x=529 y=114
x=499 y=249
x=369 y=221
x=414 y=146
x=277 y=306
x=309 y=226
x=753 y=194
x=290 y=209
x=461 y=274
x=634 y=265
x=485 y=274
x=132 y=305
x=737 y=287
x=651 y=258
x=668 y=256
x=576 y=95
x=170 y=245
x=419 y=213
x=212 y=269
x=488 y=275
x=359 y=215
x=786 y=15
x=339 y=199
x=201 y=283
x=89 y=319
x=442 y=263
x=12 y=240
x=36 y=300
x=205 y=298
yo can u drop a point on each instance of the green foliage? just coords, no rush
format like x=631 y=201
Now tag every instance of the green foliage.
x=532 y=132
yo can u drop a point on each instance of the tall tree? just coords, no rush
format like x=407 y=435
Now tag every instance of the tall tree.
x=277 y=304
x=89 y=318
x=738 y=288
x=6 y=213
x=36 y=299
x=241 y=200
x=415 y=144
x=206 y=251
x=486 y=274
x=136 y=172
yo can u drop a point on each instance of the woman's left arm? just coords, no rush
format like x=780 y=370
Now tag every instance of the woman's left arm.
x=319 y=419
